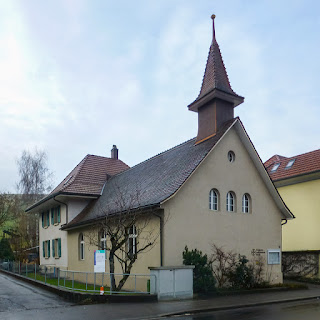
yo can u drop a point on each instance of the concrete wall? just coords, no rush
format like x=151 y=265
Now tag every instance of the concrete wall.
x=190 y=221
x=303 y=200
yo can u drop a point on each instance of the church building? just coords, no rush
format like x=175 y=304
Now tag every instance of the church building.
x=210 y=190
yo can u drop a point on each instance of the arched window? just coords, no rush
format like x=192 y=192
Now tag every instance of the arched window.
x=81 y=246
x=132 y=242
x=246 y=203
x=214 y=200
x=231 y=201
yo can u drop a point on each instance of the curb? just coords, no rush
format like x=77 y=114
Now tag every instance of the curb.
x=79 y=297
x=235 y=306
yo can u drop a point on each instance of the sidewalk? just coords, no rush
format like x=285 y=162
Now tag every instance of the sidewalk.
x=172 y=308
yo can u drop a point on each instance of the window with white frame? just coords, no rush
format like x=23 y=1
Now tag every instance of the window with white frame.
x=46 y=249
x=81 y=246
x=103 y=240
x=55 y=215
x=274 y=256
x=56 y=248
x=246 y=203
x=214 y=200
x=231 y=202
x=132 y=241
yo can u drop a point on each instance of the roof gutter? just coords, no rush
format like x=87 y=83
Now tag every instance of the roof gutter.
x=52 y=196
x=92 y=221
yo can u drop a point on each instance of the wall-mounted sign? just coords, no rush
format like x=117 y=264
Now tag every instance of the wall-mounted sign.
x=257 y=252
x=99 y=261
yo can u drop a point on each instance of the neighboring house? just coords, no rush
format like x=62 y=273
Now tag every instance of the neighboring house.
x=81 y=186
x=212 y=189
x=298 y=182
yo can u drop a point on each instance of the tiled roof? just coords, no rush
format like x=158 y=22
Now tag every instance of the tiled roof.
x=215 y=75
x=152 y=181
x=304 y=163
x=88 y=177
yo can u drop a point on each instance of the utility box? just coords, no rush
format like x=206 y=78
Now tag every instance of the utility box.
x=172 y=282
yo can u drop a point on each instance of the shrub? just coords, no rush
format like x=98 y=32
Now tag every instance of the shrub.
x=5 y=250
x=203 y=280
x=241 y=276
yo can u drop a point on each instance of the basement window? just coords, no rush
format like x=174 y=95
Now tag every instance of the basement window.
x=275 y=167
x=290 y=164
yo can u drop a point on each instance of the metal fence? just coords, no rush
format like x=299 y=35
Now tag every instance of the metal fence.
x=80 y=281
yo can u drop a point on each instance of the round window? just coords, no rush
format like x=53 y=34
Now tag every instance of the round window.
x=231 y=156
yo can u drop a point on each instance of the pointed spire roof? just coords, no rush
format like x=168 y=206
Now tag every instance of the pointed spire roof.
x=215 y=76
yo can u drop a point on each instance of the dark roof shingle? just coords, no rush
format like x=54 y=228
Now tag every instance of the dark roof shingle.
x=152 y=181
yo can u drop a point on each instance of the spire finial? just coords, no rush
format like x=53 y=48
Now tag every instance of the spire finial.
x=214 y=32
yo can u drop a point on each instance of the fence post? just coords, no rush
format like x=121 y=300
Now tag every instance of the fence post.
x=86 y=281
x=64 y=280
x=72 y=280
x=94 y=282
x=102 y=279
x=135 y=283
x=58 y=276
x=45 y=274
x=19 y=266
x=35 y=271
x=110 y=284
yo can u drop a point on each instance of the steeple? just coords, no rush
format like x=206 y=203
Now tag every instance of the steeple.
x=216 y=99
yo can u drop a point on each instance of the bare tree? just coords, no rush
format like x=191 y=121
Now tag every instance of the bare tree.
x=129 y=232
x=222 y=262
x=35 y=177
x=8 y=206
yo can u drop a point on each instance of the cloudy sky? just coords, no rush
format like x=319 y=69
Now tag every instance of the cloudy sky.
x=78 y=76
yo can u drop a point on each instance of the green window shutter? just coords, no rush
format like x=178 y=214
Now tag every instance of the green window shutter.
x=53 y=255
x=43 y=249
x=48 y=248
x=58 y=212
x=59 y=247
x=42 y=214
x=48 y=218
x=52 y=216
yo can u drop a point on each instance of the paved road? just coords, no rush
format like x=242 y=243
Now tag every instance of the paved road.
x=18 y=297
x=22 y=301
x=304 y=310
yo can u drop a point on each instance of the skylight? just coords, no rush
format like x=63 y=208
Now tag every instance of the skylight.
x=275 y=167
x=290 y=163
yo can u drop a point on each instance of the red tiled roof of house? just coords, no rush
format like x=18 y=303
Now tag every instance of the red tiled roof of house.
x=303 y=164
x=89 y=176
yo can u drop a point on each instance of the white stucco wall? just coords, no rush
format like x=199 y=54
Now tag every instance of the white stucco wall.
x=190 y=221
x=75 y=206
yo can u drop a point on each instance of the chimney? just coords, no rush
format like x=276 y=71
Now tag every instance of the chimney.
x=114 y=152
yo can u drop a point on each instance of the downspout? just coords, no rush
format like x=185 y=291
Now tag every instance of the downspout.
x=161 y=237
x=54 y=198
